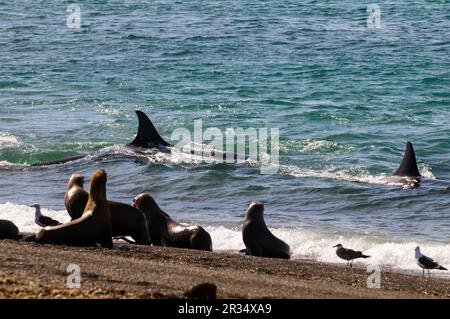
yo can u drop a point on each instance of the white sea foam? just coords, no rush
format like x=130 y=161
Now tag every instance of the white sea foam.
x=6 y=164
x=23 y=215
x=8 y=140
x=179 y=157
x=355 y=174
x=305 y=244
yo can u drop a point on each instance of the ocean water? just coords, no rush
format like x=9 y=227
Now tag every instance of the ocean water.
x=345 y=98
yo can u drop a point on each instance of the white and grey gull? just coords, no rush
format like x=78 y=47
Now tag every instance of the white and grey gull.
x=42 y=220
x=348 y=254
x=425 y=262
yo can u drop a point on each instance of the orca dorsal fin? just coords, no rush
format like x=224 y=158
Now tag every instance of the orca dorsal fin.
x=408 y=167
x=147 y=135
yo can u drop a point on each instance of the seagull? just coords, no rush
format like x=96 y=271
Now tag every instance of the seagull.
x=425 y=262
x=348 y=254
x=42 y=220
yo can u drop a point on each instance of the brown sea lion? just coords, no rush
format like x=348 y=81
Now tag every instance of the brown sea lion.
x=75 y=198
x=164 y=231
x=258 y=239
x=8 y=230
x=129 y=221
x=126 y=220
x=94 y=225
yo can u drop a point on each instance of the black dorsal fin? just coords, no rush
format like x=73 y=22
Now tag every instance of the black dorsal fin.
x=147 y=135
x=408 y=167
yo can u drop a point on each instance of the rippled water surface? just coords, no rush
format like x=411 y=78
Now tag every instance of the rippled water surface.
x=344 y=97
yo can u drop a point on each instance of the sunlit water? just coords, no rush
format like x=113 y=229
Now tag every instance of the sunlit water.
x=344 y=97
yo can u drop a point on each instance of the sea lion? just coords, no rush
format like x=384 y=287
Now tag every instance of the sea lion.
x=129 y=221
x=258 y=239
x=75 y=198
x=126 y=220
x=8 y=230
x=94 y=225
x=164 y=231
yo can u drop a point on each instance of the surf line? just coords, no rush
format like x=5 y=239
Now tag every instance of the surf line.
x=148 y=138
x=235 y=149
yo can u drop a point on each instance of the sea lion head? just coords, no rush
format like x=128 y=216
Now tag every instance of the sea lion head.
x=97 y=188
x=255 y=210
x=76 y=179
x=144 y=202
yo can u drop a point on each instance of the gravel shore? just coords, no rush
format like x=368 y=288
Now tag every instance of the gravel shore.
x=29 y=270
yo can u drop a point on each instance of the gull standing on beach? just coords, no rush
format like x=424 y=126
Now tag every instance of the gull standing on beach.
x=348 y=254
x=42 y=220
x=425 y=262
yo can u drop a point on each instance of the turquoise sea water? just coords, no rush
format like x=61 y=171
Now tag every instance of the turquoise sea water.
x=345 y=98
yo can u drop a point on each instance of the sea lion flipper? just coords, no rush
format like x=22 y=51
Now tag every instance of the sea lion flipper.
x=256 y=250
x=106 y=242
x=27 y=238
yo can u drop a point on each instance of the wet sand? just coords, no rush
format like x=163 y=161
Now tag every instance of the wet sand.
x=30 y=270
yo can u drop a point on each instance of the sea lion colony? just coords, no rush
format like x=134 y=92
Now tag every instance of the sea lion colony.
x=95 y=220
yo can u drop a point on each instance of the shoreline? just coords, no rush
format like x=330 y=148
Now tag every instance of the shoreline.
x=30 y=270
